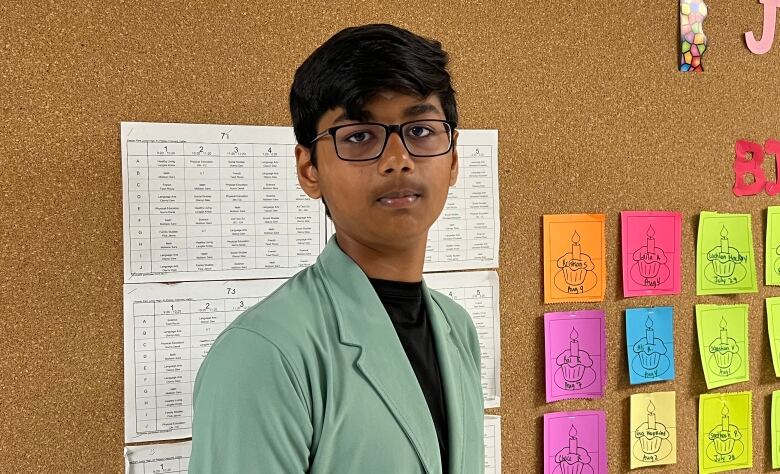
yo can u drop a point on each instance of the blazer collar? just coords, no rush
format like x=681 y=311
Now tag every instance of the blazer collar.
x=363 y=322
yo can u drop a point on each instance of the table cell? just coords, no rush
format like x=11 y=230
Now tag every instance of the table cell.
x=202 y=187
x=268 y=185
x=239 y=206
x=205 y=265
x=140 y=268
x=136 y=148
x=470 y=173
x=168 y=344
x=160 y=198
x=278 y=251
x=238 y=262
x=452 y=256
x=271 y=229
x=302 y=261
x=229 y=164
x=179 y=243
x=137 y=185
x=146 y=356
x=306 y=240
x=138 y=197
x=270 y=174
x=168 y=232
x=172 y=389
x=303 y=229
x=269 y=150
x=455 y=193
x=200 y=149
x=270 y=206
x=269 y=263
x=207 y=208
x=141 y=311
x=162 y=308
x=453 y=215
x=476 y=213
x=304 y=218
x=235 y=149
x=297 y=195
x=148 y=414
x=165 y=175
x=200 y=243
x=205 y=254
x=207 y=306
x=144 y=332
x=143 y=252
x=171 y=355
x=480 y=254
x=145 y=380
x=446 y=236
x=208 y=319
x=171 y=332
x=457 y=294
x=203 y=342
x=145 y=391
x=142 y=345
x=481 y=234
x=237 y=193
x=309 y=206
x=268 y=162
x=239 y=305
x=174 y=366
x=165 y=162
x=178 y=400
x=262 y=241
x=203 y=227
x=193 y=175
x=172 y=379
x=168 y=220
x=165 y=148
x=479 y=183
x=482 y=316
x=174 y=424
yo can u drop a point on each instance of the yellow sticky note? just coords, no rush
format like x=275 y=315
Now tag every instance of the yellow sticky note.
x=725 y=432
x=653 y=437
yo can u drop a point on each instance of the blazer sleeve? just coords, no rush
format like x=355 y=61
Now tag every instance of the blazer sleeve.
x=250 y=412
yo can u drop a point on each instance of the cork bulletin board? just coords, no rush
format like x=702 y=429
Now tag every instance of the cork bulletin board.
x=593 y=118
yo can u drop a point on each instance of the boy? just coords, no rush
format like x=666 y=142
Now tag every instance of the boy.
x=354 y=365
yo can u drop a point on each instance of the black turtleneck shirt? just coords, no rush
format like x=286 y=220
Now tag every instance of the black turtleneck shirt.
x=404 y=304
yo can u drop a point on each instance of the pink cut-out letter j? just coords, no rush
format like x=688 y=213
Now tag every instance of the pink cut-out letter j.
x=768 y=33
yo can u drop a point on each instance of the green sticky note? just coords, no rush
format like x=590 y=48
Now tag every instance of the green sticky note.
x=725 y=432
x=775 y=427
x=723 y=343
x=773 y=246
x=773 y=325
x=725 y=261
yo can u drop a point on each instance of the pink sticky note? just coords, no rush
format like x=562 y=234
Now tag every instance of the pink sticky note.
x=575 y=354
x=651 y=253
x=575 y=442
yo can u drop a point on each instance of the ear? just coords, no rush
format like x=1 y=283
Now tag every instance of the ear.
x=455 y=161
x=308 y=177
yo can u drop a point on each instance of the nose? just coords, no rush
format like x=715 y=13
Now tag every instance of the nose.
x=395 y=157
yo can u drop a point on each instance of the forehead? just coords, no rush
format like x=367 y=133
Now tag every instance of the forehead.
x=387 y=107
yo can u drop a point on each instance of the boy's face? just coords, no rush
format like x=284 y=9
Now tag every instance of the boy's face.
x=388 y=202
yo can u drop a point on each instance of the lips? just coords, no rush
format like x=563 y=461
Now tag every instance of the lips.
x=399 y=198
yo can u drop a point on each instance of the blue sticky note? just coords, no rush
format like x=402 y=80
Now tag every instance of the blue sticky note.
x=650 y=344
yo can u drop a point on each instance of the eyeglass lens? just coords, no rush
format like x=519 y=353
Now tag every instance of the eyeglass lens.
x=366 y=141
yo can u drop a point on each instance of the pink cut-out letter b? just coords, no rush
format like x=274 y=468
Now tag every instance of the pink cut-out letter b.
x=743 y=166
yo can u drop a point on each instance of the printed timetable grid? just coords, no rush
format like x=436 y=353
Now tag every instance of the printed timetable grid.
x=478 y=293
x=229 y=207
x=492 y=442
x=170 y=328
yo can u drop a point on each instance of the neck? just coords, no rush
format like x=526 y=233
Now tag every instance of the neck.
x=386 y=262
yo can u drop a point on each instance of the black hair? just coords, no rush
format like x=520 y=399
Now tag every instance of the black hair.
x=355 y=64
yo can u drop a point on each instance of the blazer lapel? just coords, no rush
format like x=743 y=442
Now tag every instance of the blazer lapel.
x=363 y=322
x=451 y=380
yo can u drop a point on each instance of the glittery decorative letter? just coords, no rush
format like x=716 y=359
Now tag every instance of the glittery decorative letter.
x=768 y=32
x=743 y=166
x=693 y=41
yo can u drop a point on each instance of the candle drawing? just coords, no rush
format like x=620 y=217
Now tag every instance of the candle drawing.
x=651 y=416
x=649 y=333
x=650 y=240
x=575 y=246
x=724 y=337
x=573 y=440
x=725 y=419
x=724 y=240
x=574 y=344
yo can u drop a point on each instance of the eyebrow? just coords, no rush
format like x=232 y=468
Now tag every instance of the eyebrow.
x=413 y=111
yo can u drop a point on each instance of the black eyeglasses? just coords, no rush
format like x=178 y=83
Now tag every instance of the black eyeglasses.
x=366 y=141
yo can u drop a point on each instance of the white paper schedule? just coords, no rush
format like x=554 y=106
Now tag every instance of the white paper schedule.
x=169 y=328
x=168 y=331
x=478 y=293
x=214 y=202
x=492 y=444
x=170 y=458
x=467 y=233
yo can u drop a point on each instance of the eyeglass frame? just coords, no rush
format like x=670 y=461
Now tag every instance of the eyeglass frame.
x=389 y=129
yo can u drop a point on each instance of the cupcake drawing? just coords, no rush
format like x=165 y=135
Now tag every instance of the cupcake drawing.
x=724 y=350
x=726 y=263
x=777 y=261
x=651 y=436
x=573 y=459
x=574 y=366
x=650 y=350
x=576 y=273
x=725 y=440
x=650 y=266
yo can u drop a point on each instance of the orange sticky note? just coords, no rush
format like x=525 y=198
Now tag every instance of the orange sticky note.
x=574 y=250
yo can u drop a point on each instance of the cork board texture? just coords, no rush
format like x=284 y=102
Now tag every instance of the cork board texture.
x=593 y=118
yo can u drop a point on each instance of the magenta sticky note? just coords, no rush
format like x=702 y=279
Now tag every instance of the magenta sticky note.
x=651 y=252
x=575 y=354
x=575 y=442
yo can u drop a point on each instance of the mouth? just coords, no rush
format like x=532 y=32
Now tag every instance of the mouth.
x=399 y=199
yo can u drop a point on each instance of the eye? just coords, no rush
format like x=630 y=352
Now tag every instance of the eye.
x=419 y=131
x=358 y=137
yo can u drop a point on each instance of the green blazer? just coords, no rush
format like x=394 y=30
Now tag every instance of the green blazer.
x=314 y=379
